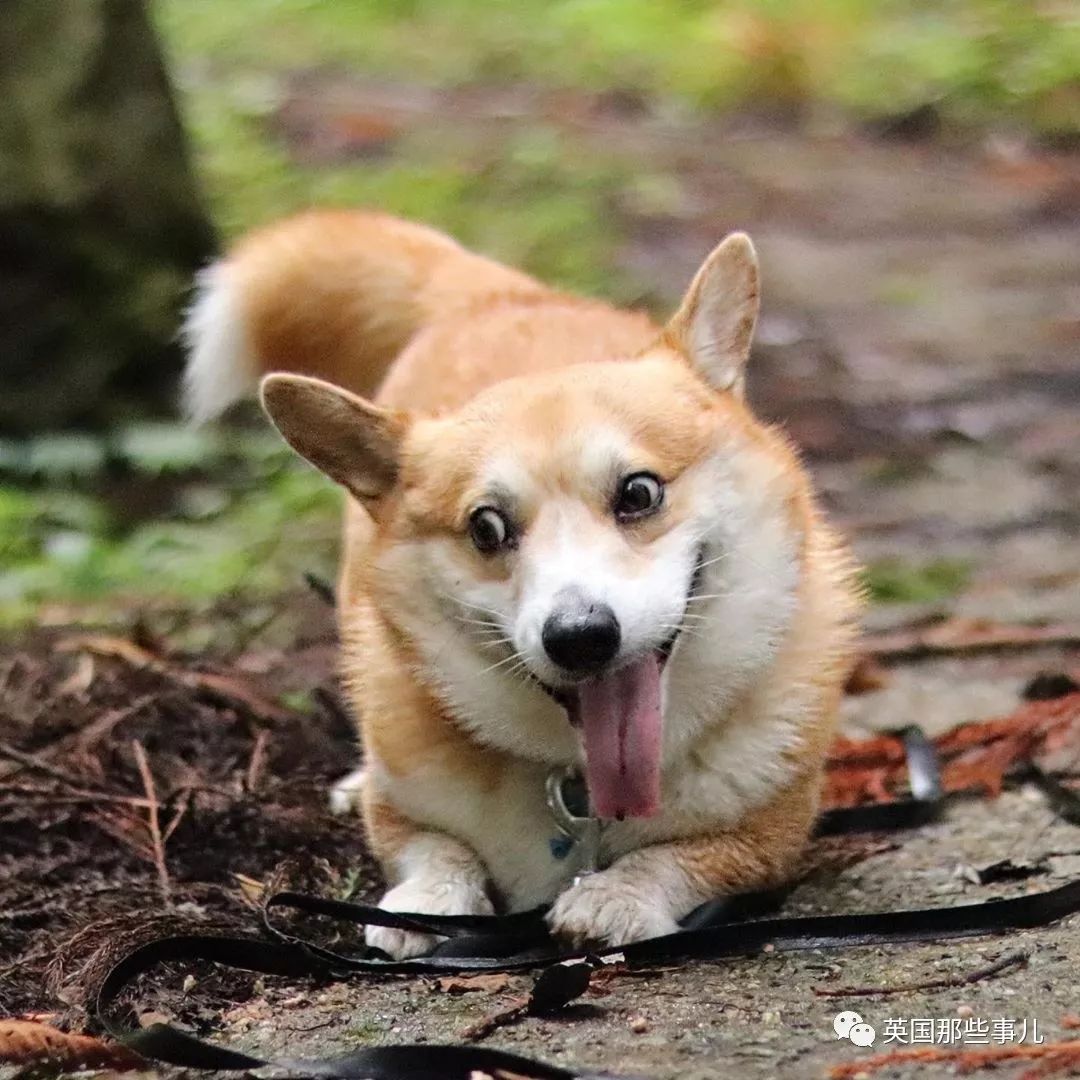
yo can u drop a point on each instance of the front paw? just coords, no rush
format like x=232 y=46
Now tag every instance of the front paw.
x=607 y=909
x=424 y=897
x=346 y=796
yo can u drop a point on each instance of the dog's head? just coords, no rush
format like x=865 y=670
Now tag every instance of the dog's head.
x=620 y=538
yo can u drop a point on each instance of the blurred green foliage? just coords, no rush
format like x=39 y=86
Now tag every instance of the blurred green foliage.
x=532 y=199
x=892 y=581
x=975 y=58
x=169 y=513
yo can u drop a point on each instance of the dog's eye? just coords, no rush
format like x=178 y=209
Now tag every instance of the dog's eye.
x=489 y=530
x=640 y=494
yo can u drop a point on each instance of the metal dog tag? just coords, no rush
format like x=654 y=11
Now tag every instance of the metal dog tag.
x=579 y=832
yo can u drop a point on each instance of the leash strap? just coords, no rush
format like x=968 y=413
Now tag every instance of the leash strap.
x=724 y=928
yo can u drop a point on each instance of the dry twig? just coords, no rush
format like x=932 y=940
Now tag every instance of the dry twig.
x=228 y=689
x=257 y=761
x=515 y=1010
x=182 y=807
x=30 y=761
x=1016 y=959
x=153 y=822
x=965 y=637
x=95 y=731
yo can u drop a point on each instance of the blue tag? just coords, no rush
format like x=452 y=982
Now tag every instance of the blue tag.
x=560 y=846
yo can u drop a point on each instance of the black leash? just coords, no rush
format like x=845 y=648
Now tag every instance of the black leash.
x=720 y=929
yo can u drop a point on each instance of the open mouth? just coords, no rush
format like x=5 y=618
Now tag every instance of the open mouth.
x=619 y=715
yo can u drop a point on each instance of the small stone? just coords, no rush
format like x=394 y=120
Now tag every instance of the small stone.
x=639 y=1025
x=966 y=872
x=188 y=984
x=964 y=1010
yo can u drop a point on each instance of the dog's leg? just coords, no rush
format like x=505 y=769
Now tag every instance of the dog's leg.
x=430 y=873
x=645 y=893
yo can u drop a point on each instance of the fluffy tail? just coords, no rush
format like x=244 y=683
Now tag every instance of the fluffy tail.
x=334 y=294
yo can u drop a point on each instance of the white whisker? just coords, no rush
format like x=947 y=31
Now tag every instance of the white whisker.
x=506 y=660
x=718 y=558
x=473 y=607
x=517 y=669
x=477 y=622
x=681 y=629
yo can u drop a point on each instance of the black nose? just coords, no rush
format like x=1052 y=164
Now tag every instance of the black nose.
x=582 y=638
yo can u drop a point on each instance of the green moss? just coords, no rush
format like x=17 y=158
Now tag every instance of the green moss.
x=892 y=581
x=366 y=1032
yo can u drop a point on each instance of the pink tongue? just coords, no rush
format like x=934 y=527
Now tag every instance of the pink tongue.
x=620 y=717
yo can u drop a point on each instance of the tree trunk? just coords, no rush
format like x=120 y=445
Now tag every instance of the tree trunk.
x=101 y=225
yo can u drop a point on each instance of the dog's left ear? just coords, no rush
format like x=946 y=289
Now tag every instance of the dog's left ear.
x=715 y=322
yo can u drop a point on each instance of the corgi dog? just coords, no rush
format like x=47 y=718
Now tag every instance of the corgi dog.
x=569 y=548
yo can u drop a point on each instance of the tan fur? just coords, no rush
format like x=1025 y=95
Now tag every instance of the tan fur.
x=471 y=360
x=339 y=294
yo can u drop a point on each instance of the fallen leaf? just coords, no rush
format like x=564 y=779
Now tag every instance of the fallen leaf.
x=975 y=757
x=1059 y=1057
x=492 y=983
x=23 y=1042
x=80 y=680
x=253 y=891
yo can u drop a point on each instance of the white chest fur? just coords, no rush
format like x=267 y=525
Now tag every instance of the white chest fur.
x=513 y=830
x=509 y=826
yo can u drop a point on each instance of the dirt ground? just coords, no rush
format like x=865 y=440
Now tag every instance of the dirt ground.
x=919 y=340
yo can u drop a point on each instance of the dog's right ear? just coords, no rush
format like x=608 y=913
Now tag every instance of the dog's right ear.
x=352 y=441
